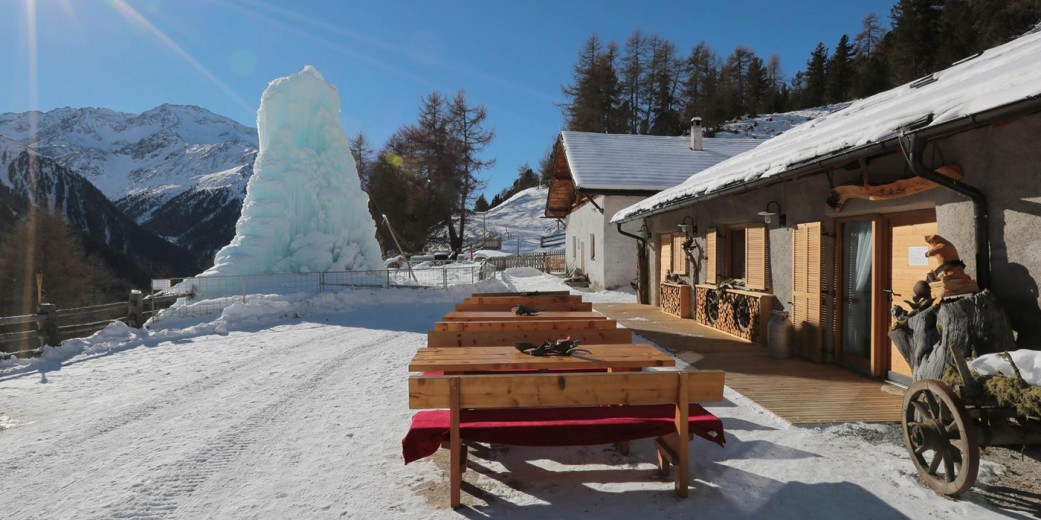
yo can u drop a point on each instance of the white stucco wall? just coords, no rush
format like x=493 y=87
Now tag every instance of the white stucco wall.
x=595 y=246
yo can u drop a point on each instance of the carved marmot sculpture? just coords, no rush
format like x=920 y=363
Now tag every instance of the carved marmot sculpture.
x=951 y=266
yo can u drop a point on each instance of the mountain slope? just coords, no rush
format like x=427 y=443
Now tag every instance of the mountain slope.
x=518 y=221
x=130 y=250
x=151 y=165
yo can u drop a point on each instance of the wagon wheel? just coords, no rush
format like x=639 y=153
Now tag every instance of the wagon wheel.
x=742 y=314
x=712 y=307
x=938 y=438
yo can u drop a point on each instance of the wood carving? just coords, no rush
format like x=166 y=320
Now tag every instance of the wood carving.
x=950 y=278
x=894 y=190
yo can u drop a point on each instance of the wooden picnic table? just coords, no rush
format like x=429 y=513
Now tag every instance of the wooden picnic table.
x=621 y=357
x=510 y=316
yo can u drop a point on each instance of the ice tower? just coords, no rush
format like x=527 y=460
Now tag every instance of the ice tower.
x=304 y=209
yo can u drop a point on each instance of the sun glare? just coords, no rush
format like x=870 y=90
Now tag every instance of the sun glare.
x=139 y=20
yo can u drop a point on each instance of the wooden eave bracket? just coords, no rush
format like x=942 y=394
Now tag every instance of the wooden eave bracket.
x=592 y=201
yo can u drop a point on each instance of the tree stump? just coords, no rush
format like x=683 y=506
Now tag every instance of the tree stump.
x=974 y=324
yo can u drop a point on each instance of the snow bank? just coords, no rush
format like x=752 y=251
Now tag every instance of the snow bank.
x=304 y=209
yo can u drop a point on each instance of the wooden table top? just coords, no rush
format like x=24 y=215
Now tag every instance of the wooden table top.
x=625 y=356
x=510 y=316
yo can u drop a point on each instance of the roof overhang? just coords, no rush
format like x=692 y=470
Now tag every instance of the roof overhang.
x=839 y=158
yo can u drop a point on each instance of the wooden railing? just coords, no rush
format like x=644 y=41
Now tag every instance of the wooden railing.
x=24 y=336
x=545 y=262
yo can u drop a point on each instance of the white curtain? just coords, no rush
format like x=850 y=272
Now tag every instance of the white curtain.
x=856 y=331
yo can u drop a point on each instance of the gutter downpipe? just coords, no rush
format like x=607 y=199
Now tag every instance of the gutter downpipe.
x=979 y=202
x=641 y=275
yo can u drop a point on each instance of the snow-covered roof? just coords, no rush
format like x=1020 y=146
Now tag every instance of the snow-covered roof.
x=1000 y=76
x=626 y=162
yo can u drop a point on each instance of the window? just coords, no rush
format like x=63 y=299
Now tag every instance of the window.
x=592 y=246
x=735 y=267
x=574 y=248
x=743 y=255
x=673 y=258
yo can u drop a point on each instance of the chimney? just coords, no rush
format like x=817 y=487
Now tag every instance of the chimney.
x=696 y=133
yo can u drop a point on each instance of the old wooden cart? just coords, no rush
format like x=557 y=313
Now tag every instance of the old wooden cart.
x=944 y=429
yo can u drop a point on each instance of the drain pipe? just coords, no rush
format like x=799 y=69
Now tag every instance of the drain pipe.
x=641 y=270
x=979 y=202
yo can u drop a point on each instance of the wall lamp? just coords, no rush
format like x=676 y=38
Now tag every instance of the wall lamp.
x=688 y=229
x=645 y=232
x=768 y=215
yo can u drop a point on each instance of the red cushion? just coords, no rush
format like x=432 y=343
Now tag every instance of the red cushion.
x=555 y=426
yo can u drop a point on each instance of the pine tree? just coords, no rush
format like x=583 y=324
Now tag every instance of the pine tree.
x=594 y=96
x=364 y=157
x=45 y=243
x=634 y=62
x=915 y=49
x=481 y=204
x=840 y=72
x=546 y=167
x=466 y=126
x=870 y=64
x=700 y=85
x=815 y=78
x=757 y=88
x=662 y=84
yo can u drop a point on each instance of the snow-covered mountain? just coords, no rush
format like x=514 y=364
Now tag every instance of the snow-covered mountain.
x=164 y=168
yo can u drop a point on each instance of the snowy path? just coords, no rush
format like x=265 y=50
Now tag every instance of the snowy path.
x=247 y=415
x=290 y=417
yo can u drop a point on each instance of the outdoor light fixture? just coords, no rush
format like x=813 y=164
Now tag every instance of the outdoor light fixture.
x=644 y=231
x=769 y=215
x=688 y=229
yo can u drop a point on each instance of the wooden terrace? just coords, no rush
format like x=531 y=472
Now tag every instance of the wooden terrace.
x=799 y=391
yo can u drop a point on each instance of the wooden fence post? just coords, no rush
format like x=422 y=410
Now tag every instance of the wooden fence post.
x=49 y=324
x=137 y=309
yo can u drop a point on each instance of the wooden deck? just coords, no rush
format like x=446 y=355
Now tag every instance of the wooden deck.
x=800 y=392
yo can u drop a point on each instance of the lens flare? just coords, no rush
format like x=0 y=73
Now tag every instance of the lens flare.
x=139 y=20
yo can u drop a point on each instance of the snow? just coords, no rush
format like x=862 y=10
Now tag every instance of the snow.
x=518 y=220
x=1027 y=361
x=999 y=76
x=642 y=162
x=294 y=407
x=304 y=209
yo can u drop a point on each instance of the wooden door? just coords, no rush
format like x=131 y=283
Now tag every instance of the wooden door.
x=906 y=265
x=806 y=290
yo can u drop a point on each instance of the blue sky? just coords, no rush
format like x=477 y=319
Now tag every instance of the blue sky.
x=382 y=55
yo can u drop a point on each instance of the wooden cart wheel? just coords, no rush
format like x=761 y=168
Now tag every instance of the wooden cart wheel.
x=939 y=438
x=712 y=307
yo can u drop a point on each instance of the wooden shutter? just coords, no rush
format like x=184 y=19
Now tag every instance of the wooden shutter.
x=679 y=259
x=755 y=258
x=665 y=255
x=711 y=256
x=806 y=290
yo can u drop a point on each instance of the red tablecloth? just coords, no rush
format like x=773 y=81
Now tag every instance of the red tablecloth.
x=555 y=426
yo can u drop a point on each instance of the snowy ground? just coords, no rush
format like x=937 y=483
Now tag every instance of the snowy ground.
x=294 y=407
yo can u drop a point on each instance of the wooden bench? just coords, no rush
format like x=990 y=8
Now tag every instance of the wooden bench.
x=526 y=325
x=522 y=300
x=479 y=338
x=527 y=293
x=528 y=409
x=539 y=306
x=510 y=316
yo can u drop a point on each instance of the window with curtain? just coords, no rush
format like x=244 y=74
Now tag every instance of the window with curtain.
x=857 y=252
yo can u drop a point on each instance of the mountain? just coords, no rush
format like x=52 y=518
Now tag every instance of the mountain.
x=126 y=247
x=178 y=171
